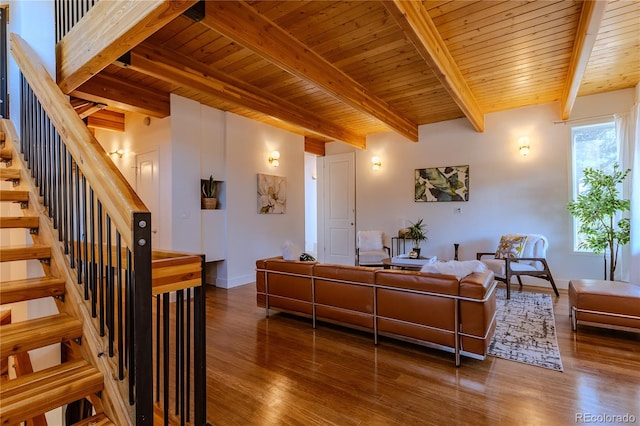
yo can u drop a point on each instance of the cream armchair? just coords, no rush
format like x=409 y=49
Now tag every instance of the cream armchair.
x=370 y=249
x=517 y=255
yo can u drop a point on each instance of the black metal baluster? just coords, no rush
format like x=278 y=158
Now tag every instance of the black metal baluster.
x=165 y=329
x=188 y=357
x=130 y=319
x=92 y=269
x=78 y=215
x=158 y=354
x=178 y=343
x=110 y=283
x=101 y=269
x=120 y=305
x=85 y=247
x=72 y=249
x=64 y=205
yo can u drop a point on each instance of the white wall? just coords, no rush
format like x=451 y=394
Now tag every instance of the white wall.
x=508 y=192
x=311 y=203
x=252 y=236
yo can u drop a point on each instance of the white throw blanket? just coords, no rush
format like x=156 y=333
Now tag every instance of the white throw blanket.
x=454 y=267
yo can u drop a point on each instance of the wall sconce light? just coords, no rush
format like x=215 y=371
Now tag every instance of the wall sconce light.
x=376 y=163
x=119 y=152
x=274 y=159
x=524 y=147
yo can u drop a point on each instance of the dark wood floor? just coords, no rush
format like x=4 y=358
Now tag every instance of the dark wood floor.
x=280 y=370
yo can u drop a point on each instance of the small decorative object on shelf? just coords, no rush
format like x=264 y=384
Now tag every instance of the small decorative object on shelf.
x=455 y=251
x=209 y=200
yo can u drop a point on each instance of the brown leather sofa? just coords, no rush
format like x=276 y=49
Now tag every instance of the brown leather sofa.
x=604 y=303
x=429 y=309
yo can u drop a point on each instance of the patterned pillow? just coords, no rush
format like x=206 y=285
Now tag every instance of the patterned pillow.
x=511 y=246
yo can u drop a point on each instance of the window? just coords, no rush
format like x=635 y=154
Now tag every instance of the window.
x=594 y=146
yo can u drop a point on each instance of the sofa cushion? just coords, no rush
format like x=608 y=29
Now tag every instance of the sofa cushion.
x=511 y=245
x=370 y=240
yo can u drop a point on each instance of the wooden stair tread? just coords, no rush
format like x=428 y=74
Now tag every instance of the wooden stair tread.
x=96 y=420
x=39 y=332
x=20 y=222
x=30 y=288
x=6 y=154
x=25 y=252
x=10 y=174
x=11 y=195
x=27 y=396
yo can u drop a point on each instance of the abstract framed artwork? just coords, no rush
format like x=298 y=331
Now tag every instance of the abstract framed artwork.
x=442 y=184
x=272 y=194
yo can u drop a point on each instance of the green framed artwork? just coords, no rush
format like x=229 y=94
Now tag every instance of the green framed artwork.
x=442 y=184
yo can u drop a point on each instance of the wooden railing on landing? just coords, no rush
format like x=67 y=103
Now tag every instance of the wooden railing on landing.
x=105 y=230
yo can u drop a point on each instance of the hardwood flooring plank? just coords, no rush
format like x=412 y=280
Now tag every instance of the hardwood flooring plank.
x=279 y=370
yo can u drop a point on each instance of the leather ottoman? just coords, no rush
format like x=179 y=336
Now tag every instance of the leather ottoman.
x=604 y=303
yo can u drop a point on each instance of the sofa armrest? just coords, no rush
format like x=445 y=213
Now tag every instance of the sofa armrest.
x=480 y=255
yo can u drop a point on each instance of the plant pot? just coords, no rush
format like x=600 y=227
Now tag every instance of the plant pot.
x=209 y=203
x=417 y=250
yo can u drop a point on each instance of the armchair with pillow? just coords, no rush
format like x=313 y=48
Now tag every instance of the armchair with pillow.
x=517 y=255
x=370 y=249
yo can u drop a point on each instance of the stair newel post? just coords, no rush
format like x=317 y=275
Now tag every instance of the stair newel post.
x=142 y=371
x=200 y=350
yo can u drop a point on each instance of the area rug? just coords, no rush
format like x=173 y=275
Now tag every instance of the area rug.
x=526 y=330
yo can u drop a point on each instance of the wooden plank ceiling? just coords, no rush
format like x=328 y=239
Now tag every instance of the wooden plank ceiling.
x=336 y=70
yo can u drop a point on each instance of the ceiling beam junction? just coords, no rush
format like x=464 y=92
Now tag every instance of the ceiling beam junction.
x=588 y=27
x=242 y=24
x=416 y=23
x=175 y=68
x=109 y=29
x=118 y=93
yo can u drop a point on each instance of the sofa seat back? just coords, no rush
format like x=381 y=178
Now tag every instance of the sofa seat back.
x=345 y=294
x=477 y=320
x=427 y=316
x=285 y=284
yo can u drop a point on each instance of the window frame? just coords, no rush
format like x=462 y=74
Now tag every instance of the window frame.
x=609 y=122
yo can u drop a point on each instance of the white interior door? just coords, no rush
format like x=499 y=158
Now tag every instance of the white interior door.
x=339 y=208
x=148 y=187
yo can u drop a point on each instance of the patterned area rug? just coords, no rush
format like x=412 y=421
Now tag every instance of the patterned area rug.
x=526 y=330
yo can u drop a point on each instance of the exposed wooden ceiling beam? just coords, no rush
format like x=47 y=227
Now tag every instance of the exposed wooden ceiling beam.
x=106 y=32
x=107 y=120
x=127 y=96
x=314 y=146
x=90 y=108
x=416 y=23
x=241 y=23
x=175 y=68
x=588 y=27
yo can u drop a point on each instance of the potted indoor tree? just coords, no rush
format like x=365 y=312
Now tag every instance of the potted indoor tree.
x=600 y=211
x=417 y=233
x=209 y=200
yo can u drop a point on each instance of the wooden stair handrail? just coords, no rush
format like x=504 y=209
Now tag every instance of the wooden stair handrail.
x=118 y=198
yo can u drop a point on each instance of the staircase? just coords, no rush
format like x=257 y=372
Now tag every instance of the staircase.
x=25 y=395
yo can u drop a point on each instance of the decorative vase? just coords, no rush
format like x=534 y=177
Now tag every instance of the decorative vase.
x=209 y=203
x=455 y=251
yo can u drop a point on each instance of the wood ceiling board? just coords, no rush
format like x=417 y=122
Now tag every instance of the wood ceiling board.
x=590 y=18
x=420 y=29
x=476 y=13
x=172 y=66
x=508 y=27
x=438 y=8
x=270 y=41
x=615 y=60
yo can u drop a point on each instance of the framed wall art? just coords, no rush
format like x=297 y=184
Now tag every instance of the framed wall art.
x=449 y=183
x=272 y=194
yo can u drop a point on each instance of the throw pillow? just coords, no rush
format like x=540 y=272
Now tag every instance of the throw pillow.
x=511 y=246
x=290 y=251
x=306 y=257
